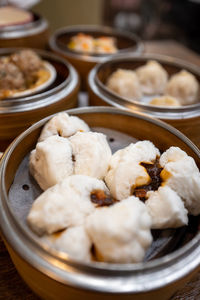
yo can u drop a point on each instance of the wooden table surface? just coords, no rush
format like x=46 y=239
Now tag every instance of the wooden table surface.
x=12 y=286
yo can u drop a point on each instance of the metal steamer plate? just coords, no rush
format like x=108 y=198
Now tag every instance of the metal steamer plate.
x=25 y=190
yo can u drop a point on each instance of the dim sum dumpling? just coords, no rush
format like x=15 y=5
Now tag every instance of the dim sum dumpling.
x=184 y=86
x=125 y=171
x=166 y=208
x=125 y=83
x=91 y=154
x=74 y=241
x=152 y=77
x=51 y=161
x=64 y=125
x=65 y=204
x=181 y=174
x=121 y=232
x=165 y=101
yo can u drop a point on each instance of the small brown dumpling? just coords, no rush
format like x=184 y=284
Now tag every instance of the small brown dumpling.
x=152 y=77
x=165 y=101
x=125 y=83
x=184 y=86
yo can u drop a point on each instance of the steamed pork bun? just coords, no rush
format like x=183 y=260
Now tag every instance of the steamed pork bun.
x=125 y=171
x=184 y=86
x=55 y=158
x=125 y=83
x=65 y=204
x=74 y=241
x=91 y=154
x=181 y=174
x=63 y=125
x=121 y=232
x=166 y=208
x=51 y=161
x=152 y=77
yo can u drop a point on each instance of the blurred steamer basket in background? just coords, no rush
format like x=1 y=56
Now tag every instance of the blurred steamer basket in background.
x=84 y=62
x=185 y=118
x=32 y=31
x=17 y=114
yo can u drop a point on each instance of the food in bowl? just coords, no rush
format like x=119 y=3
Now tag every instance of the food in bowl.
x=10 y=16
x=109 y=217
x=88 y=44
x=22 y=72
x=152 y=82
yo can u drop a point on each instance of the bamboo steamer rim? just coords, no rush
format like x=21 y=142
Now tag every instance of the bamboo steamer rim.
x=173 y=113
x=121 y=278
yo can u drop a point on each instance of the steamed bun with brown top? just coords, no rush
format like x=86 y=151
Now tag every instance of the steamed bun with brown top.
x=65 y=204
x=183 y=86
x=125 y=170
x=125 y=83
x=152 y=77
x=63 y=125
x=121 y=232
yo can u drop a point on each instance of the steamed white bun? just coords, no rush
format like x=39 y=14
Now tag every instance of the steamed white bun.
x=125 y=172
x=125 y=83
x=91 y=153
x=64 y=125
x=51 y=161
x=166 y=209
x=74 y=241
x=152 y=77
x=181 y=174
x=121 y=232
x=184 y=86
x=65 y=204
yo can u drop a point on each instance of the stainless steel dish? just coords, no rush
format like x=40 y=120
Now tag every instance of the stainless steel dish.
x=18 y=114
x=33 y=34
x=185 y=118
x=53 y=275
x=126 y=42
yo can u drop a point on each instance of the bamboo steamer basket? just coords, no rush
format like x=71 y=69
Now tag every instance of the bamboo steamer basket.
x=185 y=118
x=126 y=42
x=33 y=34
x=18 y=114
x=54 y=275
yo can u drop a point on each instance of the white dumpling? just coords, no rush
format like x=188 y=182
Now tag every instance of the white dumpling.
x=74 y=241
x=64 y=125
x=51 y=161
x=181 y=174
x=125 y=83
x=91 y=154
x=64 y=205
x=184 y=86
x=152 y=77
x=166 y=209
x=125 y=172
x=121 y=232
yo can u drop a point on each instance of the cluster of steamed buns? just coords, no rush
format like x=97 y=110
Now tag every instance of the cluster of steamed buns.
x=96 y=205
x=152 y=79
